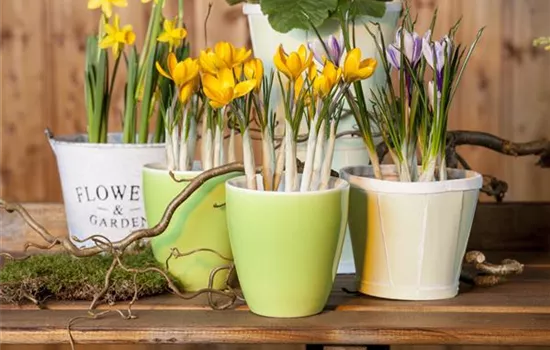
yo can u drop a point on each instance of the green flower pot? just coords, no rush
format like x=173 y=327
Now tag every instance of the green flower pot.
x=286 y=246
x=197 y=223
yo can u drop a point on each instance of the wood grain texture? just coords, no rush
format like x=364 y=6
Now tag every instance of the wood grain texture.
x=505 y=90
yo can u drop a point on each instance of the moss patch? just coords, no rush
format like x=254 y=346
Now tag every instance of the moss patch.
x=64 y=277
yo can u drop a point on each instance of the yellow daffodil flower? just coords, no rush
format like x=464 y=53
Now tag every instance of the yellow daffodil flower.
x=172 y=35
x=116 y=37
x=254 y=69
x=210 y=63
x=181 y=72
x=355 y=69
x=221 y=89
x=106 y=5
x=329 y=78
x=294 y=64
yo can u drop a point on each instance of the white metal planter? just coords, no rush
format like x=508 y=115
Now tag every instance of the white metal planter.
x=101 y=184
x=409 y=238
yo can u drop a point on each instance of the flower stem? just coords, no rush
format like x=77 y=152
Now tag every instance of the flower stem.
x=318 y=160
x=248 y=158
x=310 y=154
x=290 y=159
x=268 y=159
x=327 y=162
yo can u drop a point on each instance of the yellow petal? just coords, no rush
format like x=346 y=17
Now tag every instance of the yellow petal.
x=244 y=88
x=224 y=51
x=302 y=53
x=164 y=37
x=179 y=33
x=294 y=65
x=280 y=62
x=179 y=74
x=226 y=78
x=351 y=65
x=106 y=42
x=206 y=62
x=172 y=62
x=162 y=71
x=185 y=92
x=216 y=104
x=168 y=26
x=130 y=37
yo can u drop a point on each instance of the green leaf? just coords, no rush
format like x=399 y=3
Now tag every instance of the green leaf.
x=373 y=8
x=285 y=15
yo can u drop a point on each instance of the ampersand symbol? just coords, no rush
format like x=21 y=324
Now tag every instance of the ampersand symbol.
x=118 y=210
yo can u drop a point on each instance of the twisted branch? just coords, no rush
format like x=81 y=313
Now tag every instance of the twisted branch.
x=487 y=274
x=121 y=245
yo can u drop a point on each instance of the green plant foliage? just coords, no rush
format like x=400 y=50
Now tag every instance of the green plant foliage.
x=60 y=276
x=285 y=15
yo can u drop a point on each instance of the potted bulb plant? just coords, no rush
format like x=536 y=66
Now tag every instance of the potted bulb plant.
x=275 y=22
x=200 y=222
x=410 y=222
x=101 y=171
x=287 y=228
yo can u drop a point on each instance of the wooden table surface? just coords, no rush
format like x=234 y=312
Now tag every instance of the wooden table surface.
x=514 y=313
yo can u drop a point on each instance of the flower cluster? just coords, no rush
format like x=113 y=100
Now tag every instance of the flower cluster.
x=412 y=116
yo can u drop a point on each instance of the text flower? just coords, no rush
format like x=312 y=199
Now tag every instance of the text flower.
x=357 y=69
x=221 y=88
x=172 y=35
x=106 y=5
x=116 y=37
x=294 y=64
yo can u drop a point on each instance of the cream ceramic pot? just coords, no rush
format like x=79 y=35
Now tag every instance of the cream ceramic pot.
x=409 y=238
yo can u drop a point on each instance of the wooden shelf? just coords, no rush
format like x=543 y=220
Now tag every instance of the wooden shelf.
x=514 y=313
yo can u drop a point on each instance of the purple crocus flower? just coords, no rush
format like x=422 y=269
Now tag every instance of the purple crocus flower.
x=412 y=48
x=437 y=50
x=334 y=46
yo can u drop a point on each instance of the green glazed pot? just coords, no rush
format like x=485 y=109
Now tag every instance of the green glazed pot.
x=286 y=246
x=197 y=223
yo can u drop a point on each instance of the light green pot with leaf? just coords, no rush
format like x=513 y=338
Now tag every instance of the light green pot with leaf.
x=286 y=245
x=199 y=222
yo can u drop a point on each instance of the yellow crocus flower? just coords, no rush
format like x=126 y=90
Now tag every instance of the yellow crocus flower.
x=230 y=55
x=172 y=35
x=116 y=37
x=181 y=72
x=106 y=5
x=210 y=63
x=326 y=81
x=254 y=69
x=221 y=89
x=355 y=69
x=294 y=64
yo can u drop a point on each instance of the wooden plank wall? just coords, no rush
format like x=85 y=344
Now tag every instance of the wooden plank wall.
x=505 y=91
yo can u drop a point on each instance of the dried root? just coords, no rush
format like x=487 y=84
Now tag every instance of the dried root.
x=486 y=274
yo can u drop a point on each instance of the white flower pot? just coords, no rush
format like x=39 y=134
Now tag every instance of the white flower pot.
x=265 y=41
x=409 y=238
x=101 y=184
x=347 y=151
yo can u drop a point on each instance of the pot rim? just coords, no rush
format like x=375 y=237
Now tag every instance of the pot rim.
x=471 y=181
x=76 y=140
x=340 y=185
x=160 y=168
x=255 y=9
